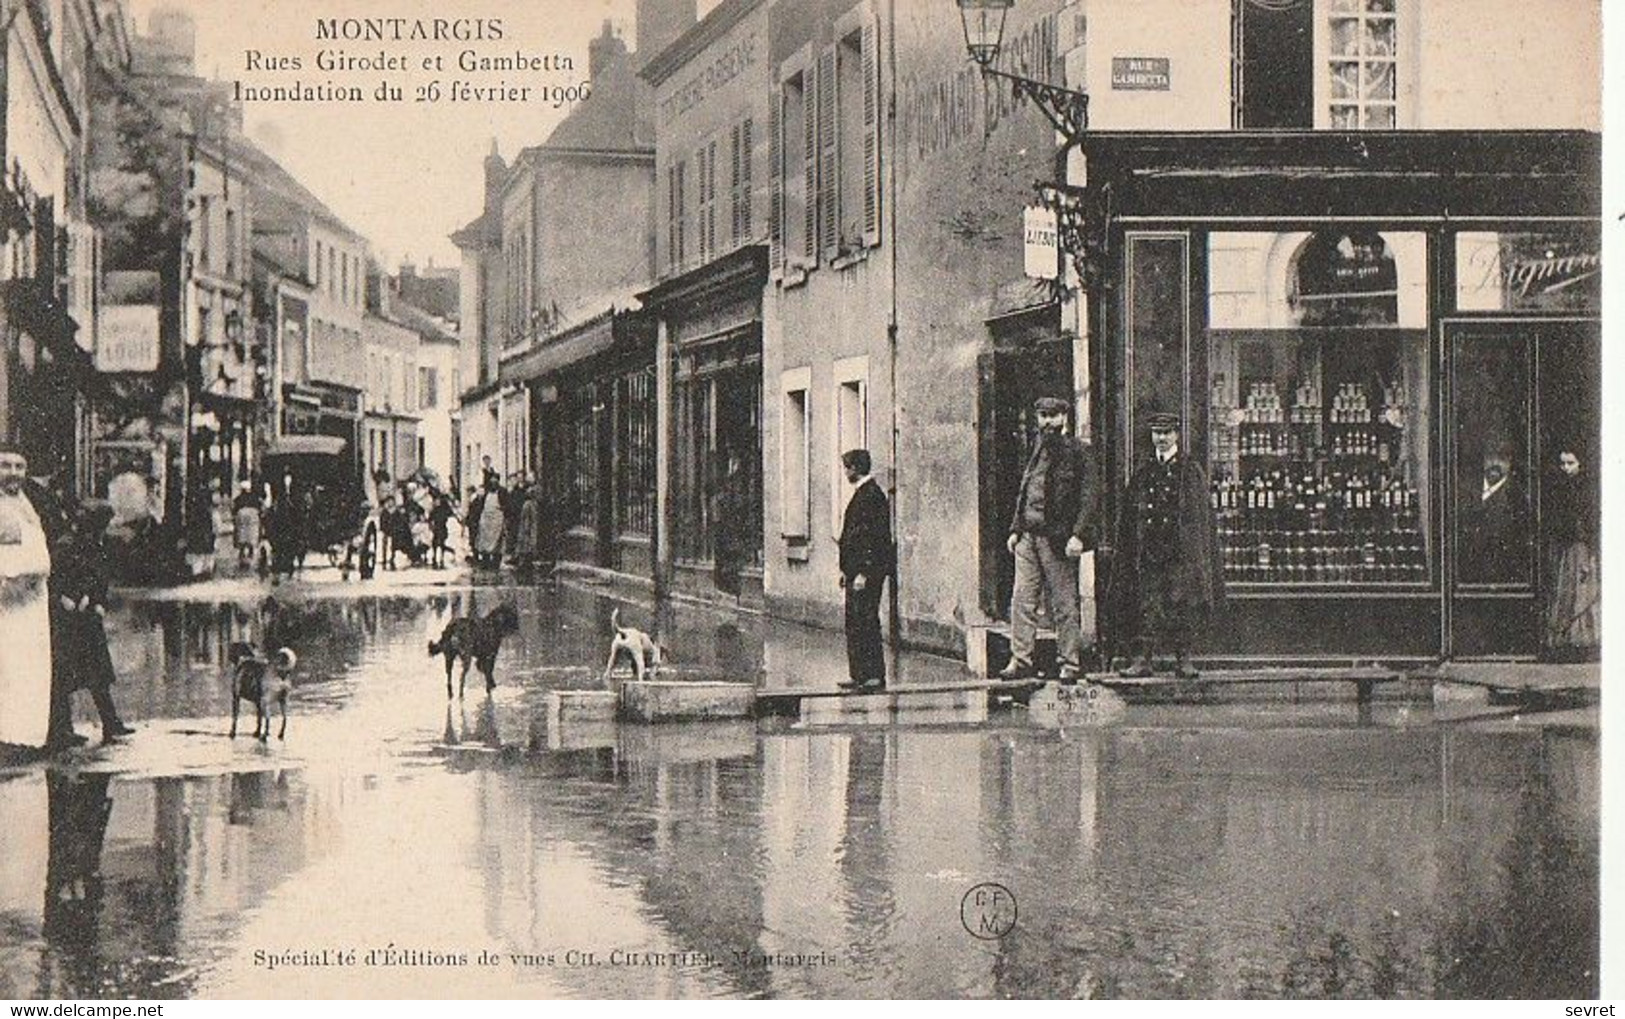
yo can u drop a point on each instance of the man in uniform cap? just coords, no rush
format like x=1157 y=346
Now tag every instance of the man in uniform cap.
x=1166 y=576
x=1053 y=524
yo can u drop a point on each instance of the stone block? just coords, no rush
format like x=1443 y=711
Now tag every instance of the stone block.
x=669 y=701
x=566 y=706
x=1055 y=706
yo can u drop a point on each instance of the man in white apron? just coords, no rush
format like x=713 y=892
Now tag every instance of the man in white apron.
x=25 y=610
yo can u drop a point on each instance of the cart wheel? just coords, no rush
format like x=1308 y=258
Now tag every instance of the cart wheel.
x=369 y=552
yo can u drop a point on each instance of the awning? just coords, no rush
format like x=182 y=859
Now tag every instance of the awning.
x=555 y=353
x=305 y=445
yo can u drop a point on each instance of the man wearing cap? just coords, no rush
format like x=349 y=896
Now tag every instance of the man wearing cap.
x=1053 y=524
x=1166 y=573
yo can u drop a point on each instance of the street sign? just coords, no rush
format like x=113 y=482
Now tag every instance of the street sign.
x=1041 y=236
x=1140 y=74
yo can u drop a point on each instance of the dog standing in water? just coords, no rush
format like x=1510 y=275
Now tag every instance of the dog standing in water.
x=635 y=644
x=262 y=682
x=475 y=640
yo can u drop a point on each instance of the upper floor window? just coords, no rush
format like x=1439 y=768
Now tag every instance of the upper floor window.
x=1364 y=78
x=1272 y=73
x=824 y=148
x=317 y=275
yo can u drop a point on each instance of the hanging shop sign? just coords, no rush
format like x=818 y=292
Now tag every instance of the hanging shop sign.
x=1041 y=241
x=127 y=338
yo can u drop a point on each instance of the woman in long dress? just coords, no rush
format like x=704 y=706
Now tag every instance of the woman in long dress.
x=25 y=611
x=1574 y=582
x=491 y=525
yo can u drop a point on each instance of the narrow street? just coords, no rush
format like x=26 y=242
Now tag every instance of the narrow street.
x=1259 y=848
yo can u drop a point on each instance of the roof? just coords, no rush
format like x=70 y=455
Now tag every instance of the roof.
x=618 y=116
x=270 y=176
x=484 y=229
x=687 y=46
x=425 y=324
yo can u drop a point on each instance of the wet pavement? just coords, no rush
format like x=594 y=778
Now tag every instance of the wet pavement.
x=397 y=845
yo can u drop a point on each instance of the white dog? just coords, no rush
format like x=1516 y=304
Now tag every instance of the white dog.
x=635 y=644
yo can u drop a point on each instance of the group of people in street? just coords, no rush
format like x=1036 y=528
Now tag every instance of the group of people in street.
x=414 y=519
x=1161 y=555
x=509 y=523
x=53 y=582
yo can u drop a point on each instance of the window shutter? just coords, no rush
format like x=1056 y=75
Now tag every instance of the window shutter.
x=711 y=198
x=775 y=173
x=733 y=180
x=871 y=132
x=829 y=169
x=746 y=191
x=809 y=150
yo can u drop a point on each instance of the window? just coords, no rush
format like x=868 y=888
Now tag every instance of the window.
x=1556 y=270
x=705 y=220
x=317 y=273
x=1272 y=70
x=795 y=456
x=231 y=242
x=798 y=174
x=635 y=449
x=332 y=272
x=676 y=216
x=582 y=494
x=428 y=389
x=851 y=429
x=1364 y=80
x=1317 y=424
x=344 y=278
x=204 y=228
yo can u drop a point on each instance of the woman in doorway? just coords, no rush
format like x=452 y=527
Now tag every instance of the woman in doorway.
x=1573 y=582
x=492 y=523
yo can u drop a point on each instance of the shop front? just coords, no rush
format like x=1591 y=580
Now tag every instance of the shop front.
x=712 y=322
x=592 y=415
x=1381 y=346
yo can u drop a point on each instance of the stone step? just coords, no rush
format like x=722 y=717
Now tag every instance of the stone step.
x=938 y=705
x=670 y=701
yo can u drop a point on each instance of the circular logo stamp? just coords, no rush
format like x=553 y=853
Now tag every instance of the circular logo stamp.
x=988 y=911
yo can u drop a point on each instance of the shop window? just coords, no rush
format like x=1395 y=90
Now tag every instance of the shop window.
x=795 y=456
x=1272 y=73
x=1556 y=270
x=850 y=431
x=581 y=507
x=1364 y=82
x=635 y=453
x=1319 y=408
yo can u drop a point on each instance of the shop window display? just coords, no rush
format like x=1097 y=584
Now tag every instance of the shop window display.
x=1318 y=407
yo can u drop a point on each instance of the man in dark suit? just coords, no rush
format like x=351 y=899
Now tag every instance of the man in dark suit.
x=1054 y=523
x=867 y=556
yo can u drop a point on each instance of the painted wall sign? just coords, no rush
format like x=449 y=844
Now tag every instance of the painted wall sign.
x=127 y=338
x=1140 y=74
x=1042 y=242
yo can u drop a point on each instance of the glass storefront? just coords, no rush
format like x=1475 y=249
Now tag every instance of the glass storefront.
x=1318 y=413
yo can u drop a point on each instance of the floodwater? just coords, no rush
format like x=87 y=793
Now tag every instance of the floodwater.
x=395 y=845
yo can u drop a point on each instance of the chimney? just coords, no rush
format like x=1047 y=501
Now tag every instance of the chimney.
x=659 y=24
x=603 y=51
x=495 y=172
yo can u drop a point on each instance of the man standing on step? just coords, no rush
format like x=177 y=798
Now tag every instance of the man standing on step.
x=1053 y=525
x=867 y=556
x=1167 y=574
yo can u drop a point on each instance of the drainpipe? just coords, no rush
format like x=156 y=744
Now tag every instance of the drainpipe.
x=889 y=126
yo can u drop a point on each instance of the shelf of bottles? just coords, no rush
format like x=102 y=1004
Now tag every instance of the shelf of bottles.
x=1310 y=492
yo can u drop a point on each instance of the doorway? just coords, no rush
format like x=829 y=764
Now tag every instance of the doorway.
x=1520 y=394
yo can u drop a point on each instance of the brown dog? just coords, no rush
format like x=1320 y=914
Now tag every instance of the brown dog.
x=476 y=641
x=262 y=682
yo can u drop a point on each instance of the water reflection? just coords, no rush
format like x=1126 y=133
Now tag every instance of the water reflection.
x=1175 y=853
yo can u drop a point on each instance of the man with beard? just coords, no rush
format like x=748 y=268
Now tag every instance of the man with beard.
x=1053 y=524
x=25 y=612
x=1167 y=571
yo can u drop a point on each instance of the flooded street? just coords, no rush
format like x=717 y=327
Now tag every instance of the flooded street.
x=395 y=845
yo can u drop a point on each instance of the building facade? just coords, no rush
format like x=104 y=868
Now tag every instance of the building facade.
x=712 y=93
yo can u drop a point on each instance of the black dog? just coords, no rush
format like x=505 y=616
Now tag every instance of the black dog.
x=477 y=641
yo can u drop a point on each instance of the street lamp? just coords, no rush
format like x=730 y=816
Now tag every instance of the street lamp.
x=983 y=21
